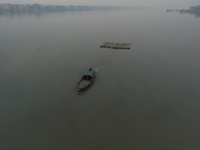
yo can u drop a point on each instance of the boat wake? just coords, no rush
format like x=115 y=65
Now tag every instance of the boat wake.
x=98 y=68
x=106 y=60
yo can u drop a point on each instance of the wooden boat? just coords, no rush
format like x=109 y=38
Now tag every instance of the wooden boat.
x=86 y=80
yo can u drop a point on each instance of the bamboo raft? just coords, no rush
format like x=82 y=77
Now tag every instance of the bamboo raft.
x=116 y=45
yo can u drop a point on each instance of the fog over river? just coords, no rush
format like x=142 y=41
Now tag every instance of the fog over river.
x=143 y=98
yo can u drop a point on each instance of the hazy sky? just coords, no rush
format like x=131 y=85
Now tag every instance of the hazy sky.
x=156 y=3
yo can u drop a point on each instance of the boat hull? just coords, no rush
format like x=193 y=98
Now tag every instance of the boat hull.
x=83 y=84
x=86 y=80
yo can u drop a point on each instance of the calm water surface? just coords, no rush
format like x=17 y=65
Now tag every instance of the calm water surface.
x=143 y=98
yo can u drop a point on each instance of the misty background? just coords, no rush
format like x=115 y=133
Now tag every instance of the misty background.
x=178 y=4
x=145 y=98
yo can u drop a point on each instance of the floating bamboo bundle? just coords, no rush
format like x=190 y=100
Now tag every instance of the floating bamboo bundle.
x=116 y=45
x=104 y=45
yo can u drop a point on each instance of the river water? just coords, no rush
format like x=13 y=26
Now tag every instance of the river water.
x=143 y=98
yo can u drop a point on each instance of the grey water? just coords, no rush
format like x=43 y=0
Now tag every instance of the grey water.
x=143 y=98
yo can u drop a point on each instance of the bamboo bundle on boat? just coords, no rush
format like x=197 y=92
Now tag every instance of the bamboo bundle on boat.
x=111 y=45
x=128 y=46
x=123 y=45
x=104 y=44
x=116 y=45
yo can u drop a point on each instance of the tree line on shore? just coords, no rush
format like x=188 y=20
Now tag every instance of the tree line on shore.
x=195 y=10
x=37 y=8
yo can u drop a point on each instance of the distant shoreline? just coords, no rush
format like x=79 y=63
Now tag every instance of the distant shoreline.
x=195 y=10
x=37 y=8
